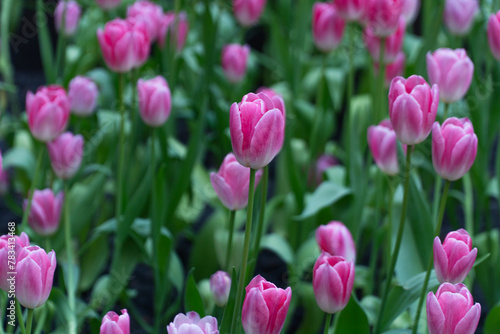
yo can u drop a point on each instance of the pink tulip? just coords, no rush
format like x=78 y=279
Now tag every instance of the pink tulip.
x=48 y=112
x=35 y=272
x=231 y=183
x=4 y=182
x=454 y=148
x=257 y=130
x=148 y=12
x=452 y=71
x=494 y=34
x=71 y=16
x=395 y=69
x=265 y=307
x=66 y=152
x=323 y=163
x=452 y=310
x=8 y=243
x=124 y=44
x=248 y=12
x=384 y=147
x=82 y=94
x=459 y=15
x=234 y=61
x=113 y=323
x=108 y=4
x=412 y=108
x=336 y=239
x=190 y=323
x=455 y=257
x=220 y=286
x=328 y=26
x=393 y=43
x=333 y=279
x=177 y=35
x=410 y=10
x=275 y=97
x=155 y=101
x=45 y=212
x=352 y=10
x=383 y=16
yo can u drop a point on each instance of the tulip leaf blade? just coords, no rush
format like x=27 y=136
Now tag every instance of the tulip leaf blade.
x=227 y=317
x=325 y=195
x=353 y=318
x=192 y=297
x=492 y=324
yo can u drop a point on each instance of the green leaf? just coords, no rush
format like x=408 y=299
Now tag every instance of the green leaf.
x=353 y=319
x=227 y=317
x=325 y=195
x=279 y=245
x=21 y=158
x=176 y=271
x=313 y=316
x=192 y=298
x=492 y=324
x=93 y=262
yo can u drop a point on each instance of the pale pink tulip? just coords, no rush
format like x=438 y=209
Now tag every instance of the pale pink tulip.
x=66 y=153
x=327 y=26
x=155 y=101
x=336 y=239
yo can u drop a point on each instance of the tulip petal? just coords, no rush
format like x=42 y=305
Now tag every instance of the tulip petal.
x=267 y=139
x=468 y=324
x=255 y=315
x=435 y=316
x=29 y=283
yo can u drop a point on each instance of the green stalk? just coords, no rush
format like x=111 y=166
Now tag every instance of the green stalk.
x=381 y=81
x=122 y=233
x=70 y=284
x=61 y=45
x=246 y=246
x=20 y=320
x=398 y=239
x=336 y=322
x=33 y=187
x=45 y=42
x=389 y=229
x=262 y=213
x=30 y=321
x=5 y=55
x=442 y=206
x=328 y=322
x=232 y=214
x=446 y=108
x=379 y=204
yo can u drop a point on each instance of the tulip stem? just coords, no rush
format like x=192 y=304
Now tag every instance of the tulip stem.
x=19 y=314
x=232 y=214
x=442 y=206
x=381 y=80
x=33 y=187
x=398 y=240
x=119 y=184
x=446 y=107
x=246 y=246
x=61 y=44
x=29 y=322
x=328 y=322
x=262 y=213
x=70 y=283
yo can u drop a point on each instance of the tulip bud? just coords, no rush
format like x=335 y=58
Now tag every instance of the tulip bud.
x=394 y=69
x=248 y=12
x=177 y=34
x=66 y=152
x=452 y=71
x=45 y=212
x=459 y=15
x=257 y=130
x=384 y=147
x=234 y=61
x=452 y=310
x=8 y=243
x=82 y=95
x=455 y=257
x=328 y=26
x=333 y=279
x=412 y=108
x=220 y=286
x=108 y=4
x=48 y=112
x=155 y=101
x=265 y=307
x=410 y=10
x=71 y=16
x=336 y=239
x=148 y=12
x=323 y=163
x=113 y=323
x=383 y=16
x=191 y=323
x=35 y=273
x=454 y=148
x=494 y=34
x=231 y=183
x=352 y=10
x=393 y=43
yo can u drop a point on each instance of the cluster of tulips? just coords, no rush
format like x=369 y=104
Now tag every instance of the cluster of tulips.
x=258 y=133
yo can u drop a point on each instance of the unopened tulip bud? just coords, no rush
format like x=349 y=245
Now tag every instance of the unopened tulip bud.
x=336 y=239
x=352 y=10
x=220 y=285
x=383 y=16
x=113 y=323
x=177 y=34
x=234 y=61
x=459 y=15
x=248 y=12
x=82 y=95
x=7 y=244
x=148 y=12
x=66 y=152
x=494 y=34
x=393 y=43
x=45 y=213
x=71 y=16
x=410 y=10
x=328 y=26
x=155 y=101
x=383 y=145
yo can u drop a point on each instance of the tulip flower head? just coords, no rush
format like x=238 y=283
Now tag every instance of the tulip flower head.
x=71 y=16
x=191 y=323
x=234 y=61
x=383 y=145
x=45 y=213
x=328 y=26
x=220 y=286
x=248 y=12
x=393 y=43
x=177 y=35
x=7 y=243
x=155 y=101
x=383 y=16
x=113 y=323
x=148 y=12
x=494 y=34
x=410 y=10
x=336 y=239
x=352 y=10
x=108 y=4
x=82 y=95
x=66 y=153
x=459 y=15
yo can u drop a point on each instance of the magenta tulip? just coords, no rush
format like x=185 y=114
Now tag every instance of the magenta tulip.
x=323 y=163
x=327 y=25
x=108 y=4
x=336 y=239
x=71 y=16
x=190 y=323
x=333 y=279
x=82 y=95
x=454 y=148
x=412 y=108
x=248 y=12
x=66 y=152
x=8 y=244
x=459 y=15
x=177 y=35
x=383 y=16
x=383 y=145
x=35 y=273
x=148 y=12
x=220 y=285
x=494 y=34
x=452 y=71
x=48 y=112
x=113 y=323
x=265 y=307
x=352 y=10
x=452 y=310
x=231 y=183
x=45 y=213
x=455 y=257
x=234 y=61
x=155 y=101
x=393 y=43
x=257 y=130
x=410 y=10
